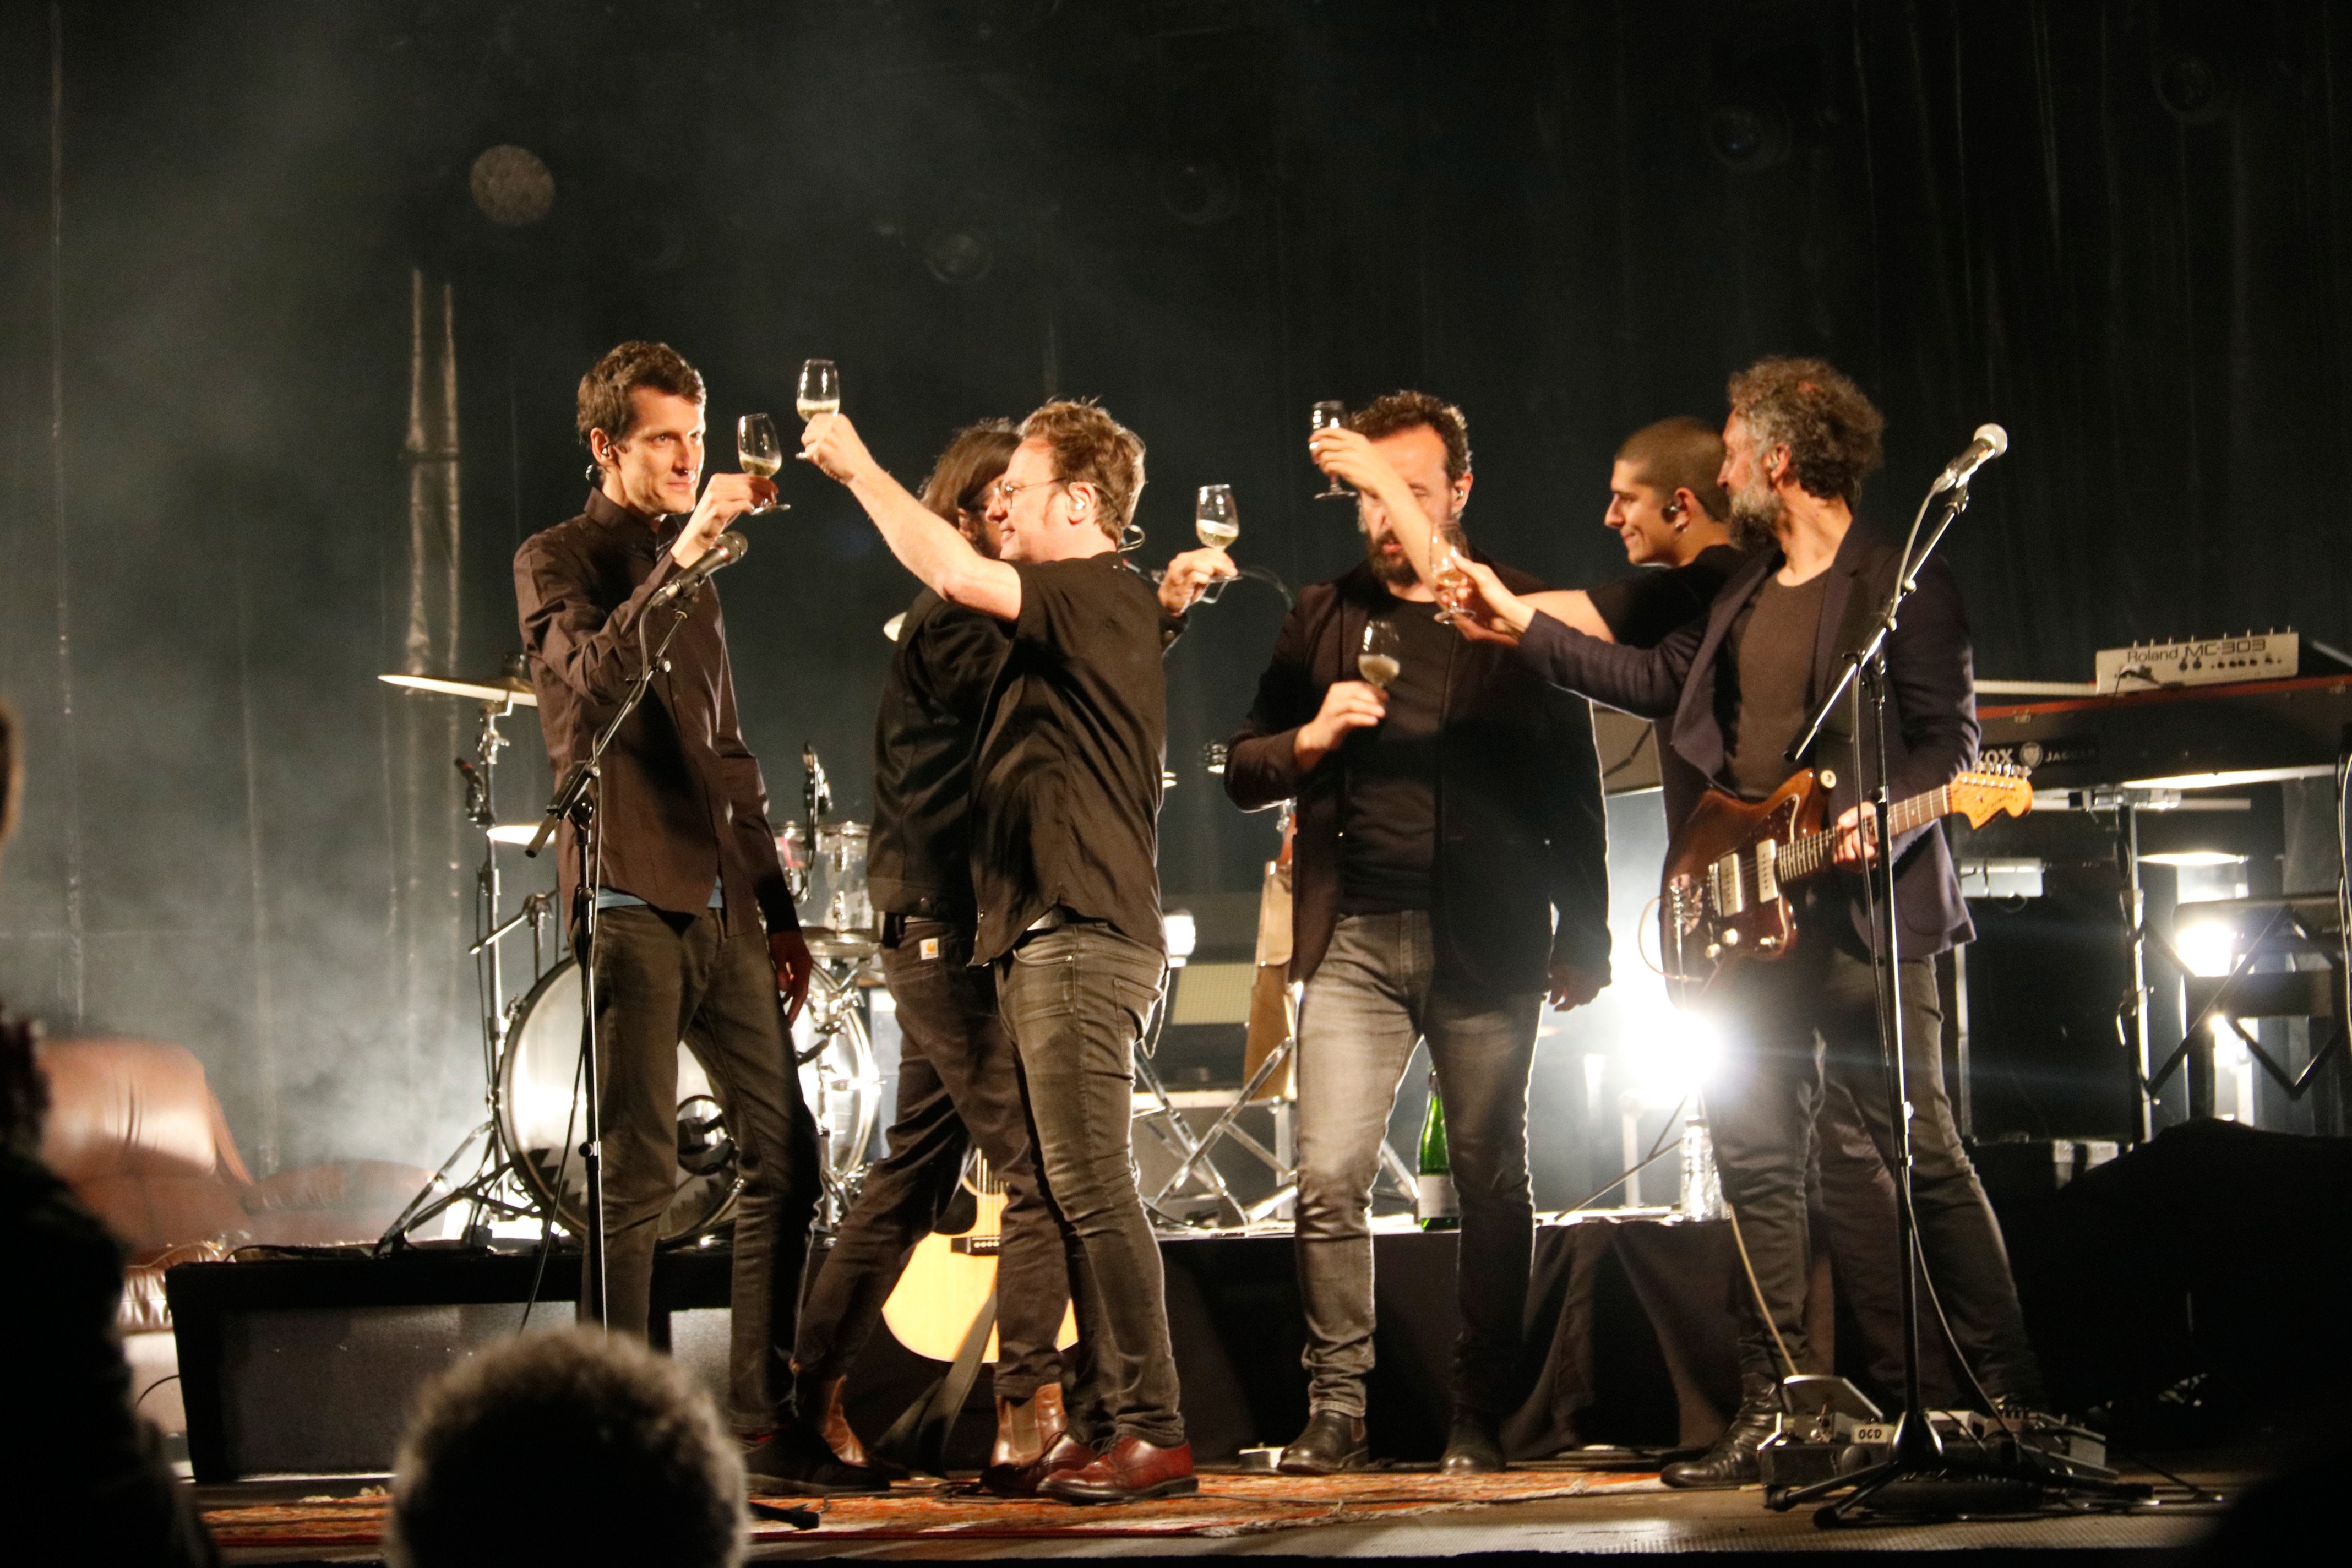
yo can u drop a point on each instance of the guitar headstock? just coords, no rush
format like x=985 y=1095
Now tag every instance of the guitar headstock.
x=1996 y=789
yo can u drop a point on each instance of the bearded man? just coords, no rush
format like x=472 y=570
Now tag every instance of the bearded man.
x=1738 y=684
x=1450 y=873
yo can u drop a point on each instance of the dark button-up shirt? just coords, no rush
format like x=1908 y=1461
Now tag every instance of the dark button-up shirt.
x=924 y=737
x=1066 y=793
x=681 y=806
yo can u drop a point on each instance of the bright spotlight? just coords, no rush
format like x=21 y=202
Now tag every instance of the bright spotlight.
x=1182 y=936
x=2207 y=947
x=1673 y=1058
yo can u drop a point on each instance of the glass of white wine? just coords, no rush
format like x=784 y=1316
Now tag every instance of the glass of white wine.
x=1451 y=585
x=1330 y=416
x=1216 y=522
x=820 y=390
x=1381 y=659
x=759 y=449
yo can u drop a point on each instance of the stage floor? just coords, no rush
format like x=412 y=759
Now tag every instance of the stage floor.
x=1553 y=1509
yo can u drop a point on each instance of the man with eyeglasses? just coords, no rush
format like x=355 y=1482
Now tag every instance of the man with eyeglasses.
x=1064 y=826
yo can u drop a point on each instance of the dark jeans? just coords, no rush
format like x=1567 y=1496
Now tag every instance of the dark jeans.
x=1076 y=998
x=661 y=979
x=1853 y=1210
x=1368 y=1001
x=1806 y=1026
x=958 y=1084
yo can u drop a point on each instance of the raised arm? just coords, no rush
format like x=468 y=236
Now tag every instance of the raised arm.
x=935 y=552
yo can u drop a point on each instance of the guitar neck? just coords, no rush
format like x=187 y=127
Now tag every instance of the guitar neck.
x=1813 y=851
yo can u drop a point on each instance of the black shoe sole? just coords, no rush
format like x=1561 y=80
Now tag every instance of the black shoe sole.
x=1181 y=1485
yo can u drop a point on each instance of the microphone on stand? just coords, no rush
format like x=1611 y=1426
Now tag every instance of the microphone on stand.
x=724 y=552
x=1991 y=442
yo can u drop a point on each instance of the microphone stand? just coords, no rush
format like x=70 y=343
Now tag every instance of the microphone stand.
x=571 y=800
x=1918 y=1454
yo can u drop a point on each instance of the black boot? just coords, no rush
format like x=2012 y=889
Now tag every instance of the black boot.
x=1473 y=1447
x=1732 y=1461
x=1330 y=1443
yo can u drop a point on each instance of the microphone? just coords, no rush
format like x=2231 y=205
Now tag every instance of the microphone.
x=1991 y=442
x=724 y=552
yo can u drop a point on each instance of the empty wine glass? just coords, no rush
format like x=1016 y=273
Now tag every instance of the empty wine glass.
x=1217 y=522
x=820 y=391
x=1330 y=417
x=759 y=449
x=1380 y=659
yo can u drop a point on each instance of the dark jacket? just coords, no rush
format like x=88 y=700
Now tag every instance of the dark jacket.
x=928 y=728
x=1933 y=737
x=1521 y=828
x=682 y=808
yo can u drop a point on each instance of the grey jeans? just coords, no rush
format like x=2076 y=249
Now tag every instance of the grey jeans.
x=661 y=979
x=1075 y=999
x=1808 y=1026
x=1368 y=1001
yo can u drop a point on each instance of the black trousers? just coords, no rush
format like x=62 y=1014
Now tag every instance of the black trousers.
x=664 y=978
x=959 y=1085
x=1807 y=1026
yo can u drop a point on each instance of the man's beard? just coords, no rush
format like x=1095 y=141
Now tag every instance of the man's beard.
x=1756 y=515
x=1396 y=571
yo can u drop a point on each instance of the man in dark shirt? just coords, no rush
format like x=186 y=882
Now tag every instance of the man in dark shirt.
x=959 y=1080
x=1739 y=685
x=695 y=931
x=1065 y=801
x=1450 y=870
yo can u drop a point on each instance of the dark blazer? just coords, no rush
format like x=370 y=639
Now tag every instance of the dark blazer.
x=1520 y=829
x=1933 y=738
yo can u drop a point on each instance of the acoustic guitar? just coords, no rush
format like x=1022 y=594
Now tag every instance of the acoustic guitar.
x=950 y=1276
x=1723 y=900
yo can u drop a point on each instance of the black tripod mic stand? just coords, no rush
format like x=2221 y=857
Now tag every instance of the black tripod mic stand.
x=1995 y=1476
x=572 y=800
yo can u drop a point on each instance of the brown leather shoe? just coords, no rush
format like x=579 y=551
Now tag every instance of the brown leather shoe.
x=1032 y=1441
x=820 y=1412
x=1130 y=1470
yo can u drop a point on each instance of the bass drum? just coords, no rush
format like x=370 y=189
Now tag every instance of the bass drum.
x=539 y=1105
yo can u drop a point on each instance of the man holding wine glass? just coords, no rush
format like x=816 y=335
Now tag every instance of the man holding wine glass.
x=1064 y=832
x=1449 y=873
x=695 y=931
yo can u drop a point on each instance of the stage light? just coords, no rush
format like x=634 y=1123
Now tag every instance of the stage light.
x=1182 y=936
x=1749 y=137
x=1673 y=1057
x=958 y=255
x=2207 y=947
x=2195 y=858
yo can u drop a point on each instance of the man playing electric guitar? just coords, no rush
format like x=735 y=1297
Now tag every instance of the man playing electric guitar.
x=1738 y=685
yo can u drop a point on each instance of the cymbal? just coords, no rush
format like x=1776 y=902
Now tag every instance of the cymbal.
x=503 y=689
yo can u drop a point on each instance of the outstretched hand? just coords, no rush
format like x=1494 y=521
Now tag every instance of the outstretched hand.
x=1191 y=573
x=726 y=498
x=1485 y=611
x=832 y=443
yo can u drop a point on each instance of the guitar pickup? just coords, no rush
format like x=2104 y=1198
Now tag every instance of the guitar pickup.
x=1730 y=896
x=976 y=1245
x=1767 y=884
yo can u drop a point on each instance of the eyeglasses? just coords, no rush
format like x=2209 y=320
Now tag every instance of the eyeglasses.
x=1008 y=492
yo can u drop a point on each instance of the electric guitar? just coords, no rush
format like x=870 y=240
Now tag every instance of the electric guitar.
x=949 y=1277
x=1723 y=898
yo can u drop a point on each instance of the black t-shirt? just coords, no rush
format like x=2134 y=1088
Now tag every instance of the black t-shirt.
x=1388 y=812
x=924 y=737
x=1771 y=693
x=1641 y=610
x=1066 y=789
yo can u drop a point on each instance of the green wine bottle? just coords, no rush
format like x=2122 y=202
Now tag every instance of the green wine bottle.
x=1434 y=1200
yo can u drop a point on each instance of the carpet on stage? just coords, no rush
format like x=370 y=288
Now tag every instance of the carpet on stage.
x=1227 y=1505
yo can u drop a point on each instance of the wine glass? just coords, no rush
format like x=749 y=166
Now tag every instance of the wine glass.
x=820 y=390
x=1380 y=659
x=759 y=449
x=1217 y=522
x=1447 y=549
x=1330 y=416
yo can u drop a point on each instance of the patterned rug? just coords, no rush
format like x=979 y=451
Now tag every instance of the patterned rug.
x=1227 y=1505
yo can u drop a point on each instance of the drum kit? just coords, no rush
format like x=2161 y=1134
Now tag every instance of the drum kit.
x=529 y=1165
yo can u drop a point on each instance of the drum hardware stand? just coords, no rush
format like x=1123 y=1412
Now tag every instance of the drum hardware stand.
x=1918 y=1464
x=495 y=1173
x=572 y=801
